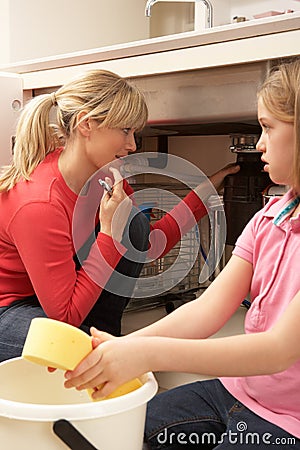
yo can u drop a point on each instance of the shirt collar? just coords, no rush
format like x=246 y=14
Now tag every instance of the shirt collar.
x=281 y=208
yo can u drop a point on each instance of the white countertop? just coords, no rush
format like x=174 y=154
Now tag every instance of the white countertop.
x=254 y=40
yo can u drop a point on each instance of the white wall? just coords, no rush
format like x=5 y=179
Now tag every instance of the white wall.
x=247 y=8
x=175 y=17
x=31 y=29
x=209 y=153
x=40 y=28
x=171 y=17
x=4 y=30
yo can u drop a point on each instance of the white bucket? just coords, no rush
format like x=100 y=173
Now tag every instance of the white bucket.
x=32 y=400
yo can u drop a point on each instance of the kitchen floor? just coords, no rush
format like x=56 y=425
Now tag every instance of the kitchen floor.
x=133 y=320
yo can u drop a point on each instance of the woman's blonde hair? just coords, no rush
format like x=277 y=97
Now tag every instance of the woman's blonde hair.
x=280 y=94
x=104 y=96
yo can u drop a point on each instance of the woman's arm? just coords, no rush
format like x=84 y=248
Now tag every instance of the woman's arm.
x=166 y=232
x=42 y=234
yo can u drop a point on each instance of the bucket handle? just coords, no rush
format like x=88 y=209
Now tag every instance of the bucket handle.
x=71 y=436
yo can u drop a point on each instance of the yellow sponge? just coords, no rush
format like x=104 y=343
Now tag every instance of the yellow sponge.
x=57 y=344
x=125 y=388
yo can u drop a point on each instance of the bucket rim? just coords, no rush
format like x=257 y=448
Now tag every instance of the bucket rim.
x=80 y=411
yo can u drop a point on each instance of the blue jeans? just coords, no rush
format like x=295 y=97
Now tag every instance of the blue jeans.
x=14 y=323
x=106 y=313
x=204 y=415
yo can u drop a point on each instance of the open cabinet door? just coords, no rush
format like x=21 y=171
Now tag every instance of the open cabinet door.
x=11 y=100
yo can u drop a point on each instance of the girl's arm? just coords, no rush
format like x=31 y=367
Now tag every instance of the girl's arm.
x=208 y=313
x=263 y=353
x=198 y=319
x=118 y=360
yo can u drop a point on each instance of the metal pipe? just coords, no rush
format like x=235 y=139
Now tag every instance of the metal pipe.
x=207 y=3
x=149 y=5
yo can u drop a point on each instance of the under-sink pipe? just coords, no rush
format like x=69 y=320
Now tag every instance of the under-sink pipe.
x=207 y=3
x=161 y=160
x=138 y=161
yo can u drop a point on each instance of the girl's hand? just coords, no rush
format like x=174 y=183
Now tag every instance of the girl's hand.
x=112 y=362
x=99 y=336
x=115 y=208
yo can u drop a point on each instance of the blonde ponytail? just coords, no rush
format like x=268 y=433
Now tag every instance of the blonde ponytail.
x=35 y=138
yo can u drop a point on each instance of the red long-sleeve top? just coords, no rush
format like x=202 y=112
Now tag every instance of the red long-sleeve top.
x=37 y=243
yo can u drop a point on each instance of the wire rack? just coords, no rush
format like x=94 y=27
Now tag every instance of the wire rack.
x=174 y=278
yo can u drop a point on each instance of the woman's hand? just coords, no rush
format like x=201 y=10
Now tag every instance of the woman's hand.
x=115 y=208
x=112 y=362
x=217 y=179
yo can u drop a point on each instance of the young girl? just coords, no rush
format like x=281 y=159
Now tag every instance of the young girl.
x=255 y=402
x=43 y=271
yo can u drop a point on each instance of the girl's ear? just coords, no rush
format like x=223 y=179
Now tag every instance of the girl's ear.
x=83 y=125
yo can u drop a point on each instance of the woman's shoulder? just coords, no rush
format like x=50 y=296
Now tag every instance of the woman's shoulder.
x=44 y=186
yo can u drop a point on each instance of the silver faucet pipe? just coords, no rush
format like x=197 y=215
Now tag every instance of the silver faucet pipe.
x=207 y=3
x=149 y=5
x=209 y=16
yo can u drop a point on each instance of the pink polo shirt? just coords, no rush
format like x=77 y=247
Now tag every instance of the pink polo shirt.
x=274 y=252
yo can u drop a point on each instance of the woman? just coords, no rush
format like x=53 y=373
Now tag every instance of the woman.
x=43 y=272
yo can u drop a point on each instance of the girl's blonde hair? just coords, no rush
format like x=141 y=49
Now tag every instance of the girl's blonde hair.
x=104 y=96
x=280 y=94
